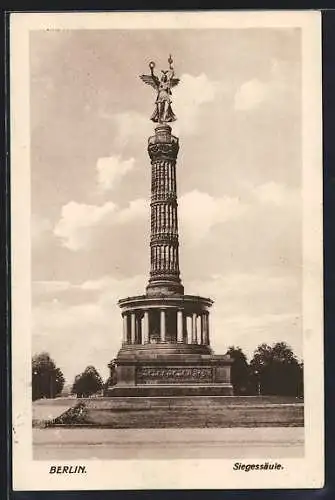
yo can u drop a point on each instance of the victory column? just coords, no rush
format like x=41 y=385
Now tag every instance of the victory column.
x=166 y=337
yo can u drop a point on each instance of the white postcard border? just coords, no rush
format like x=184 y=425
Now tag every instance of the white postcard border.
x=307 y=472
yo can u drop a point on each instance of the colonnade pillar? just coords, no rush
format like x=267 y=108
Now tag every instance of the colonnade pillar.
x=139 y=331
x=194 y=328
x=180 y=326
x=145 y=332
x=206 y=329
x=163 y=325
x=132 y=327
x=125 y=328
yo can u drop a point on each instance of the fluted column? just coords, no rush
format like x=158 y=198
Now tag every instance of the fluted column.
x=194 y=328
x=164 y=272
x=199 y=329
x=163 y=325
x=185 y=328
x=125 y=328
x=206 y=329
x=138 y=334
x=203 y=328
x=145 y=331
x=180 y=326
x=133 y=327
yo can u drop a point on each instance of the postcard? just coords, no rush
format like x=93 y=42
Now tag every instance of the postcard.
x=166 y=250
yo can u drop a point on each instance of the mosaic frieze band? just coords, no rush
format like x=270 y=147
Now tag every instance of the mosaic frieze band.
x=174 y=375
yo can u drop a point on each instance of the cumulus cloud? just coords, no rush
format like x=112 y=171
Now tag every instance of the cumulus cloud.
x=93 y=328
x=189 y=98
x=254 y=92
x=253 y=308
x=260 y=293
x=50 y=287
x=248 y=309
x=76 y=218
x=130 y=127
x=277 y=194
x=115 y=288
x=76 y=227
x=111 y=169
x=137 y=209
x=199 y=212
x=82 y=328
x=250 y=94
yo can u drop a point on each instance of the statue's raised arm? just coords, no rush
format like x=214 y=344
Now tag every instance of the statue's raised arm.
x=152 y=79
x=163 y=112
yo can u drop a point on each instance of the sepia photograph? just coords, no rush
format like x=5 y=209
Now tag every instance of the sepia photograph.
x=167 y=250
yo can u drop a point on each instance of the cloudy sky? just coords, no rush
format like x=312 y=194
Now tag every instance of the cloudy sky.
x=239 y=176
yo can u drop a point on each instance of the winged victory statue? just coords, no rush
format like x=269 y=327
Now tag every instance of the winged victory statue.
x=163 y=112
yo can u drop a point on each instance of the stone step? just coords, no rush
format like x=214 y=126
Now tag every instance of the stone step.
x=189 y=401
x=101 y=413
x=172 y=390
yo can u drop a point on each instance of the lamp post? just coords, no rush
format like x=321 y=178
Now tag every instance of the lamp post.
x=257 y=374
x=35 y=373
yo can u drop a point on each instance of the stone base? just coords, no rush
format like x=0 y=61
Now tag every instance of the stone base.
x=171 y=370
x=169 y=390
x=159 y=288
x=183 y=412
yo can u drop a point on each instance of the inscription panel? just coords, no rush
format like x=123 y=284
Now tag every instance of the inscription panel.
x=174 y=375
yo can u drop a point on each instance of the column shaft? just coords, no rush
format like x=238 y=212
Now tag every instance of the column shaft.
x=145 y=336
x=125 y=328
x=203 y=329
x=194 y=328
x=163 y=325
x=207 y=329
x=138 y=331
x=180 y=326
x=133 y=327
x=185 y=328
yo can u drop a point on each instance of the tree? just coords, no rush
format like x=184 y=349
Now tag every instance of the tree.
x=240 y=371
x=87 y=383
x=47 y=380
x=276 y=370
x=301 y=380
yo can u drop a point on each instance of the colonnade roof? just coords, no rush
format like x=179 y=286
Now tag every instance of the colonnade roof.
x=187 y=302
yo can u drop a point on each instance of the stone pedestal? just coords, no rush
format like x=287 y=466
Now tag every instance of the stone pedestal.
x=166 y=349
x=172 y=375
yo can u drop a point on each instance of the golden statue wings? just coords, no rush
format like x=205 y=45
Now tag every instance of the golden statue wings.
x=163 y=85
